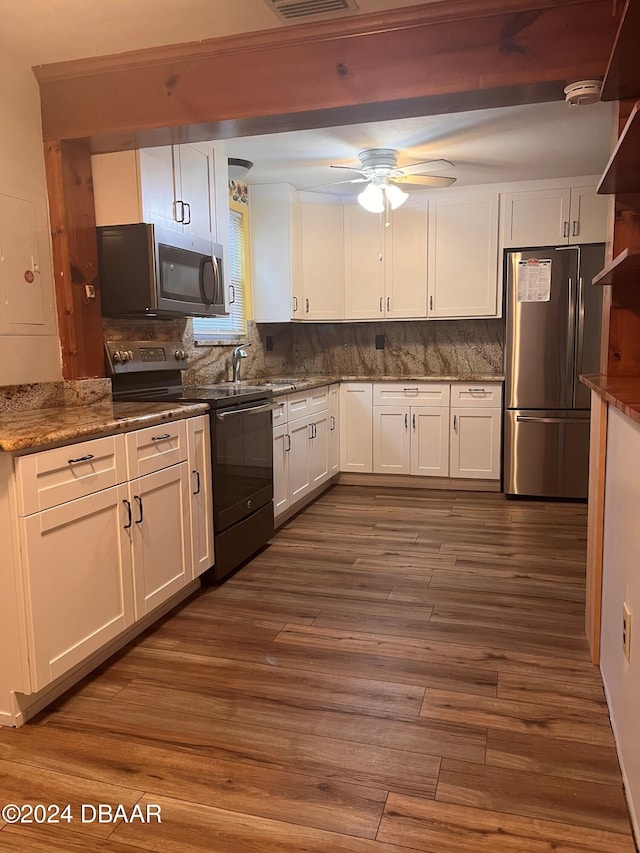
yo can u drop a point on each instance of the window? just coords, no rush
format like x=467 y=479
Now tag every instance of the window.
x=233 y=327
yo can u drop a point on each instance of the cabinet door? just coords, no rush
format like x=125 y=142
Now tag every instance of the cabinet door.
x=322 y=253
x=281 y=444
x=391 y=440
x=475 y=443
x=406 y=261
x=535 y=218
x=319 y=450
x=356 y=427
x=334 y=429
x=463 y=257
x=364 y=249
x=430 y=441
x=160 y=535
x=299 y=459
x=201 y=501
x=589 y=216
x=160 y=186
x=195 y=180
x=78 y=584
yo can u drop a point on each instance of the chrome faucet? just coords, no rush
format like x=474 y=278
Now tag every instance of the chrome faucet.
x=238 y=354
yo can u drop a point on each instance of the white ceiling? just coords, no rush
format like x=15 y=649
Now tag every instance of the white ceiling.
x=521 y=143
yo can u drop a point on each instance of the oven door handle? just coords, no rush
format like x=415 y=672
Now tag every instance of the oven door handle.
x=265 y=407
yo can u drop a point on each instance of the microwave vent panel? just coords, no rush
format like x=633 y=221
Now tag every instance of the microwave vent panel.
x=302 y=10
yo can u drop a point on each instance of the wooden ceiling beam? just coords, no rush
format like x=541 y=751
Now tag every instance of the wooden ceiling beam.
x=439 y=55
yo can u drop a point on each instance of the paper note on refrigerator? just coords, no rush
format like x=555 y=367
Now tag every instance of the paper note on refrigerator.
x=534 y=280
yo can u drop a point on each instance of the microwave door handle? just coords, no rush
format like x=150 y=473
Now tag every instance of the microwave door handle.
x=207 y=299
x=218 y=293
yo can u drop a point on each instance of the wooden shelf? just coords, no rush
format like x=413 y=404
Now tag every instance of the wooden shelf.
x=622 y=78
x=622 y=174
x=623 y=269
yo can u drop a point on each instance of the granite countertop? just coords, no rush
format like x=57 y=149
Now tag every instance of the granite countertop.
x=623 y=392
x=40 y=427
x=290 y=384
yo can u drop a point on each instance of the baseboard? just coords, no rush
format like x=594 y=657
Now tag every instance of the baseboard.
x=635 y=825
x=27 y=706
x=409 y=481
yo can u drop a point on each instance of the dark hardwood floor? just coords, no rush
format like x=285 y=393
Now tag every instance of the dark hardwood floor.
x=400 y=670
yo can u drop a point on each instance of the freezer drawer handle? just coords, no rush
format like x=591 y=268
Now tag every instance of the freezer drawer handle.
x=526 y=419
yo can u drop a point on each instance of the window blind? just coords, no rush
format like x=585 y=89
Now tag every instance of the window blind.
x=229 y=328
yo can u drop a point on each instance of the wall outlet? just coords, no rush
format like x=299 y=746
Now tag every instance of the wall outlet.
x=379 y=341
x=626 y=630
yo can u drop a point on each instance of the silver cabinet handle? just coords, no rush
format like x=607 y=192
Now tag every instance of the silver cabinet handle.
x=413 y=418
x=197 y=473
x=163 y=437
x=388 y=303
x=81 y=459
x=530 y=419
x=431 y=303
x=128 y=506
x=295 y=304
x=455 y=423
x=310 y=431
x=188 y=206
x=565 y=228
x=332 y=421
x=576 y=228
x=175 y=210
x=306 y=305
x=406 y=420
x=288 y=446
x=381 y=309
x=140 y=518
x=411 y=390
x=476 y=390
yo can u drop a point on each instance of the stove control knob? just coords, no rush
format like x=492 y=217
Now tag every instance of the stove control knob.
x=124 y=356
x=130 y=354
x=118 y=356
x=183 y=355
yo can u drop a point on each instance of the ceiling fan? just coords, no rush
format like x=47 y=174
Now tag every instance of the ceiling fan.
x=385 y=179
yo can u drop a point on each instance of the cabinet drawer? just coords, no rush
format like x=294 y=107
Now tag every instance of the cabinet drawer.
x=305 y=403
x=156 y=447
x=280 y=412
x=411 y=393
x=486 y=395
x=53 y=477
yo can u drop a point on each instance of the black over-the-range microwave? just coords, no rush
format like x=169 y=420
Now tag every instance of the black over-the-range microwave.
x=150 y=271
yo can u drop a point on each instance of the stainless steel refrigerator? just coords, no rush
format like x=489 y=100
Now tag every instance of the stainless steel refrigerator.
x=552 y=336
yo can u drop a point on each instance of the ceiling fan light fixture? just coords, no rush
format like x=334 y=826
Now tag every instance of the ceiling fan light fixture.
x=372 y=199
x=395 y=195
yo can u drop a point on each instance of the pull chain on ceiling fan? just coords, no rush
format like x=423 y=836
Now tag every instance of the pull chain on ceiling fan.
x=384 y=179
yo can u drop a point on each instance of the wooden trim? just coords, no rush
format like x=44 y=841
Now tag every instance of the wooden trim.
x=441 y=49
x=75 y=258
x=595 y=523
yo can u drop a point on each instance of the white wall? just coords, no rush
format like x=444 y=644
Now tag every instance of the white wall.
x=29 y=344
x=621 y=582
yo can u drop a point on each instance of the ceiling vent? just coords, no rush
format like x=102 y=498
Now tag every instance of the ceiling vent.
x=302 y=10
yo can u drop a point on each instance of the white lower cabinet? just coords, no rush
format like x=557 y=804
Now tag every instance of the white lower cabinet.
x=411 y=440
x=102 y=543
x=356 y=427
x=334 y=429
x=475 y=443
x=391 y=440
x=281 y=447
x=201 y=500
x=78 y=581
x=299 y=459
x=160 y=536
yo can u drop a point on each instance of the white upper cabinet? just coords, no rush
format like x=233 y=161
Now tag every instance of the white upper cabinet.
x=386 y=267
x=274 y=212
x=463 y=256
x=554 y=217
x=322 y=250
x=177 y=186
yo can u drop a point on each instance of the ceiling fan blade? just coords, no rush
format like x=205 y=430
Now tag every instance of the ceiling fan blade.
x=350 y=168
x=335 y=183
x=427 y=166
x=418 y=181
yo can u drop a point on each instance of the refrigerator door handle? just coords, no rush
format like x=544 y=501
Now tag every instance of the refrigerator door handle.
x=530 y=419
x=571 y=340
x=579 y=337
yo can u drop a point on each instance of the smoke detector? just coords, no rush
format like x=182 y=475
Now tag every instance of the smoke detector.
x=583 y=92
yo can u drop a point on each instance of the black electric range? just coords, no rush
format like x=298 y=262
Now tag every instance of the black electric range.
x=241 y=442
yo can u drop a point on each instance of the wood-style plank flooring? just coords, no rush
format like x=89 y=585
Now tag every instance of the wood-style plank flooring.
x=400 y=670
